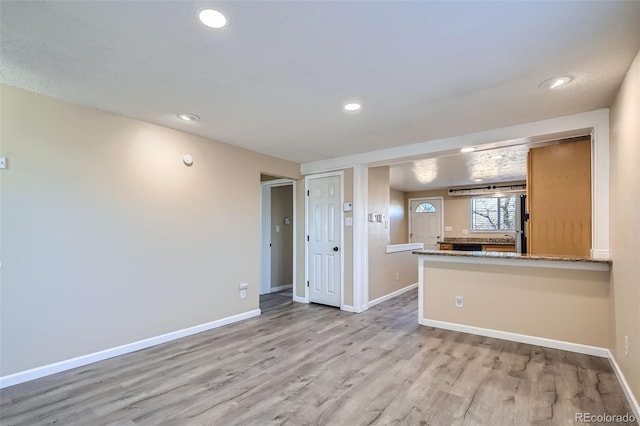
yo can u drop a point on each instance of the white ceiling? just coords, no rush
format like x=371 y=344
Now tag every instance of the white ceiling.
x=461 y=169
x=275 y=79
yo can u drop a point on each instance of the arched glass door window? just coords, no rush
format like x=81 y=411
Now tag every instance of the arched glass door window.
x=425 y=208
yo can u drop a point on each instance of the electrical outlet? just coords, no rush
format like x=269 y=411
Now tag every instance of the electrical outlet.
x=459 y=301
x=243 y=294
x=397 y=276
x=626 y=345
x=3 y=163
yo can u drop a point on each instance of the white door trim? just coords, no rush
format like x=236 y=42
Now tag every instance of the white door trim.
x=360 y=239
x=307 y=178
x=265 y=232
x=426 y=199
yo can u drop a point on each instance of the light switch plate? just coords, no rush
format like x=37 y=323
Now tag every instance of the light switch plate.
x=448 y=228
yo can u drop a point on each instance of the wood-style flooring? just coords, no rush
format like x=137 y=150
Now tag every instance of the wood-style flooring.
x=303 y=364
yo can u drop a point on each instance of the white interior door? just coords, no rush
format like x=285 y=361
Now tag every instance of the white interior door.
x=324 y=262
x=426 y=222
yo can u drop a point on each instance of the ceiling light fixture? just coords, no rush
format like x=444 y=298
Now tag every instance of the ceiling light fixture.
x=468 y=149
x=187 y=116
x=497 y=157
x=477 y=180
x=352 y=107
x=212 y=18
x=554 y=83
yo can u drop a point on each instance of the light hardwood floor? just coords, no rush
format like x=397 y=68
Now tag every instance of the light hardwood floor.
x=309 y=364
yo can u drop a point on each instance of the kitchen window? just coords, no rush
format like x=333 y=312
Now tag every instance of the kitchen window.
x=493 y=214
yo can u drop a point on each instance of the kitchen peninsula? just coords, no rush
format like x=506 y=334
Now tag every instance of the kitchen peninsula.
x=555 y=301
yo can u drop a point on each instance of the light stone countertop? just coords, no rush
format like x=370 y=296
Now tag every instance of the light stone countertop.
x=507 y=256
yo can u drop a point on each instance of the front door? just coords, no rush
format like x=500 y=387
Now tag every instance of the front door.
x=324 y=246
x=426 y=222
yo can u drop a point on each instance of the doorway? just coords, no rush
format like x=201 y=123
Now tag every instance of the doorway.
x=277 y=236
x=425 y=221
x=324 y=239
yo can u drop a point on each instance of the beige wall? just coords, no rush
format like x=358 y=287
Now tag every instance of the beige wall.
x=457 y=213
x=281 y=236
x=566 y=305
x=382 y=266
x=108 y=238
x=625 y=231
x=398 y=222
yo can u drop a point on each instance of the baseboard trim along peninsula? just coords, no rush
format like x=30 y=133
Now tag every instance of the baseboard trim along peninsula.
x=391 y=295
x=47 y=370
x=520 y=338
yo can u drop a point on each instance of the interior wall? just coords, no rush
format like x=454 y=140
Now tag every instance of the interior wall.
x=625 y=230
x=281 y=236
x=559 y=304
x=109 y=238
x=457 y=213
x=398 y=221
x=388 y=272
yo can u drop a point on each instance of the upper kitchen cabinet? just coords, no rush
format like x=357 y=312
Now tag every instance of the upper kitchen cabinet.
x=559 y=198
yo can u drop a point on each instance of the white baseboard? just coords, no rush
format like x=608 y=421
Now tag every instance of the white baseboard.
x=348 y=308
x=391 y=295
x=46 y=370
x=299 y=299
x=633 y=402
x=521 y=338
x=280 y=288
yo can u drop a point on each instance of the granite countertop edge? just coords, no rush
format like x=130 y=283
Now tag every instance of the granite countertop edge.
x=507 y=256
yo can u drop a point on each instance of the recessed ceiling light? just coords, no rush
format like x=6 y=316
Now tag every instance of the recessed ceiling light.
x=352 y=107
x=554 y=83
x=477 y=180
x=212 y=18
x=187 y=116
x=497 y=157
x=468 y=149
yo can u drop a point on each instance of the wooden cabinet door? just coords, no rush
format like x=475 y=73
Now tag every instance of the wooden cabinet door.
x=559 y=199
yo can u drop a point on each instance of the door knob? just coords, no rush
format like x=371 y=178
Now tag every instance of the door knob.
x=335 y=249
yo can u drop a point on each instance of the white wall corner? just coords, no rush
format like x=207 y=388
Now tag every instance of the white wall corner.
x=600 y=186
x=360 y=239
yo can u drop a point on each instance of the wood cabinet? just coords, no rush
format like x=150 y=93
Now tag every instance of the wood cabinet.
x=446 y=246
x=559 y=199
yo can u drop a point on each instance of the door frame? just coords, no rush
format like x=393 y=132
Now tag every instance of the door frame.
x=307 y=178
x=265 y=232
x=441 y=199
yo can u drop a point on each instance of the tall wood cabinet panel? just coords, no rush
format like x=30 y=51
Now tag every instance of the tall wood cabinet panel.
x=559 y=199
